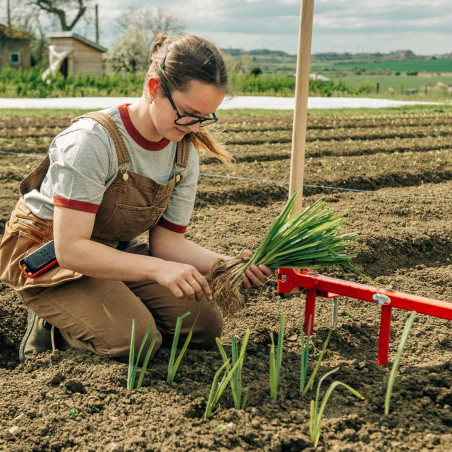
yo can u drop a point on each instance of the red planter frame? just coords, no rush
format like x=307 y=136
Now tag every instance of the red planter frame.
x=290 y=280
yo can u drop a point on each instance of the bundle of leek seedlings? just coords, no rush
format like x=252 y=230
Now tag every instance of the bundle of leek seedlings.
x=308 y=239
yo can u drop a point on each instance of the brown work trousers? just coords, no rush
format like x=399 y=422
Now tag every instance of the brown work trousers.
x=96 y=314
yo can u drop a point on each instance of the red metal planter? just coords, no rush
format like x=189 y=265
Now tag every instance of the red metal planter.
x=290 y=280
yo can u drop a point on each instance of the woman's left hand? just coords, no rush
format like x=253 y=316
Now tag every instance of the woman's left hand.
x=255 y=274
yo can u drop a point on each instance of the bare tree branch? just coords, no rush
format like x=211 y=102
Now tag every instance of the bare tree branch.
x=52 y=7
x=81 y=11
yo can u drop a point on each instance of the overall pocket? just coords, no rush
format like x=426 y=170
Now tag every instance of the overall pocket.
x=127 y=222
x=25 y=233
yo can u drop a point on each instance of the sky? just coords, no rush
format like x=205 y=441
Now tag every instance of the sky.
x=423 y=26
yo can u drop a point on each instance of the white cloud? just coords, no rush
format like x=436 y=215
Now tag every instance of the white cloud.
x=339 y=25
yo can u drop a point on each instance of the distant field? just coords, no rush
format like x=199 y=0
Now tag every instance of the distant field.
x=397 y=82
x=287 y=65
x=419 y=65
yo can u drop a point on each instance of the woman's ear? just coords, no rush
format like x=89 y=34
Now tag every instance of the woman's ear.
x=153 y=85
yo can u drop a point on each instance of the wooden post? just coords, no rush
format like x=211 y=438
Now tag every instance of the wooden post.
x=97 y=23
x=8 y=12
x=301 y=102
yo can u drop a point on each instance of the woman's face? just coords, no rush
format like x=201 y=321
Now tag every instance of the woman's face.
x=200 y=99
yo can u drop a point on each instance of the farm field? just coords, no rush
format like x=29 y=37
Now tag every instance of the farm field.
x=424 y=65
x=76 y=401
x=428 y=86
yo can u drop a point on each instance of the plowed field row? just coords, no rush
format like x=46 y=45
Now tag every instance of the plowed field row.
x=38 y=144
x=359 y=172
x=314 y=124
x=52 y=126
x=404 y=243
x=338 y=135
x=281 y=151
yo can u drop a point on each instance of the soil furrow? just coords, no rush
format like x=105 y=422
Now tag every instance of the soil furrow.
x=338 y=137
x=349 y=120
x=357 y=172
x=335 y=125
x=267 y=153
x=266 y=193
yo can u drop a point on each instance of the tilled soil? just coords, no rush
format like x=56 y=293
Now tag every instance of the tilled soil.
x=74 y=400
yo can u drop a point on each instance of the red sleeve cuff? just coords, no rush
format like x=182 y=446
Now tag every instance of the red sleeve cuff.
x=76 y=205
x=171 y=226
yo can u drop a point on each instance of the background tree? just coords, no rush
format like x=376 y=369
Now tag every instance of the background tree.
x=150 y=22
x=60 y=8
x=129 y=54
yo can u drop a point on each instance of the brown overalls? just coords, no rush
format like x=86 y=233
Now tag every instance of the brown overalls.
x=96 y=314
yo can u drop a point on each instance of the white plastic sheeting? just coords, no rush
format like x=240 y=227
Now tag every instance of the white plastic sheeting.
x=239 y=102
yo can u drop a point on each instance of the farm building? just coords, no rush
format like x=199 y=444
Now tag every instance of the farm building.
x=73 y=54
x=14 y=48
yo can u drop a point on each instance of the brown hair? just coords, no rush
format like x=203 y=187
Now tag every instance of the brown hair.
x=189 y=58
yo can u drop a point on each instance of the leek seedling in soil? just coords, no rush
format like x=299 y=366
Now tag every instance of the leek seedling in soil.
x=174 y=363
x=304 y=353
x=236 y=379
x=308 y=239
x=319 y=361
x=218 y=388
x=275 y=362
x=133 y=365
x=395 y=366
x=316 y=413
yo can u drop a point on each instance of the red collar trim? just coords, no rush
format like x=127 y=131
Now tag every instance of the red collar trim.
x=137 y=137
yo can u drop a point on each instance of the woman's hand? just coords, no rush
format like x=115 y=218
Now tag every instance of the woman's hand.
x=255 y=274
x=183 y=280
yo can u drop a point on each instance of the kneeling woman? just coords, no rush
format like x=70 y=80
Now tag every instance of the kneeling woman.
x=109 y=177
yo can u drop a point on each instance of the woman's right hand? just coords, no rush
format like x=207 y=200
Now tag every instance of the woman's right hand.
x=183 y=280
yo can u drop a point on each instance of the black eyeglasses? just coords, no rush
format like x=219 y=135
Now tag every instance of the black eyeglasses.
x=189 y=120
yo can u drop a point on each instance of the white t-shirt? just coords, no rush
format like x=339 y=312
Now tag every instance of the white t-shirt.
x=83 y=163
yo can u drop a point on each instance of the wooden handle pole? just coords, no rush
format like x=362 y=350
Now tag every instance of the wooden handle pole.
x=301 y=102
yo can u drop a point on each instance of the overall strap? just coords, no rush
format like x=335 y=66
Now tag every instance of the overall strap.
x=183 y=150
x=109 y=124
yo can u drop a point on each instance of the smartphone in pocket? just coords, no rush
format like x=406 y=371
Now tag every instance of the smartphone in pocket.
x=39 y=261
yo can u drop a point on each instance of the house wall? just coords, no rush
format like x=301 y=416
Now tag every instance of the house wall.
x=83 y=60
x=8 y=45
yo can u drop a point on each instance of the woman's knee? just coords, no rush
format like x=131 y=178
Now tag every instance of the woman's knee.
x=121 y=350
x=208 y=327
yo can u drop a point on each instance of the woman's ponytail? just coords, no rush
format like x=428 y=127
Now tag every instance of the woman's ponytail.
x=204 y=141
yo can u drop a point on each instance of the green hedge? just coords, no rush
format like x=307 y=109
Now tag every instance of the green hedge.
x=14 y=83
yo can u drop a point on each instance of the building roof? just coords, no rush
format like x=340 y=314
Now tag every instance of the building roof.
x=70 y=34
x=14 y=34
